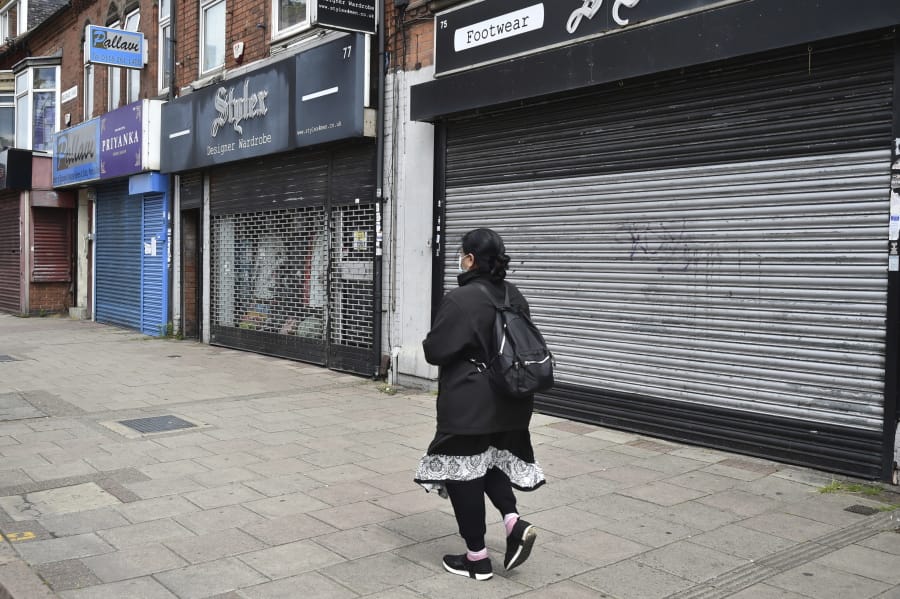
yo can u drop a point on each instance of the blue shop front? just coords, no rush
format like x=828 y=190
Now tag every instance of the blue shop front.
x=124 y=214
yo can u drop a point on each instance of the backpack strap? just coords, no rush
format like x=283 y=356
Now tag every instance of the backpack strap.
x=505 y=303
x=481 y=366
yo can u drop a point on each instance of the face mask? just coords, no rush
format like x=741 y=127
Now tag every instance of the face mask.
x=459 y=263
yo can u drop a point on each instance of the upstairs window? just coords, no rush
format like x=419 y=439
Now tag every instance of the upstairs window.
x=165 y=44
x=289 y=16
x=212 y=36
x=132 y=91
x=37 y=100
x=13 y=21
x=7 y=119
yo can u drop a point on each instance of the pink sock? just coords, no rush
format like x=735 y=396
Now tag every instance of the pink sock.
x=509 y=521
x=474 y=556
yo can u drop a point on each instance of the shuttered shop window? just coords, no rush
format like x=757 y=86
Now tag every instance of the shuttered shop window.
x=52 y=245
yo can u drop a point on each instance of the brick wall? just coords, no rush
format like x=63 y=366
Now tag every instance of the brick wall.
x=65 y=33
x=49 y=297
x=246 y=21
x=410 y=36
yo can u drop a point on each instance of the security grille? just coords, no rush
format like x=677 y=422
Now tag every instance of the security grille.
x=352 y=236
x=270 y=271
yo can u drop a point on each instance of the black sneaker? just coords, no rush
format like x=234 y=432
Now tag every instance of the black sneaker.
x=460 y=564
x=519 y=544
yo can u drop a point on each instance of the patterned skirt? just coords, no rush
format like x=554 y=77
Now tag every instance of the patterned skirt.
x=469 y=457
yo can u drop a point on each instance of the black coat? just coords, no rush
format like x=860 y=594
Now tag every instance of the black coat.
x=467 y=404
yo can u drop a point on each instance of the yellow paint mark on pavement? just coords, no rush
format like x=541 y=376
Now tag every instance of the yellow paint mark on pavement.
x=14 y=537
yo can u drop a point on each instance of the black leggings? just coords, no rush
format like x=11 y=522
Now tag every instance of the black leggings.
x=467 y=498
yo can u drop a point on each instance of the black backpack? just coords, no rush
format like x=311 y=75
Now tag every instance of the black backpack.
x=519 y=364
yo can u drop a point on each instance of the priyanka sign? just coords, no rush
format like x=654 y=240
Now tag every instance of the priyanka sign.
x=118 y=144
x=114 y=47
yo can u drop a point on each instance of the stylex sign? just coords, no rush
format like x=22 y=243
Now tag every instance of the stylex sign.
x=485 y=32
x=313 y=97
x=114 y=47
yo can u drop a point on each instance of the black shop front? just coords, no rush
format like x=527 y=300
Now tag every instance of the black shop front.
x=696 y=196
x=277 y=178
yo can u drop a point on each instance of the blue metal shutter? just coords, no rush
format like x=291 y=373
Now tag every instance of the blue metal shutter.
x=118 y=257
x=154 y=269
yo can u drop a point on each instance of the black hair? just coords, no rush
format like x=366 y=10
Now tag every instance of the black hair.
x=490 y=253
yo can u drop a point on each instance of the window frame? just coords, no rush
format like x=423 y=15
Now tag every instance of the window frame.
x=165 y=24
x=25 y=135
x=132 y=76
x=9 y=104
x=205 y=6
x=21 y=21
x=290 y=29
x=89 y=80
x=113 y=79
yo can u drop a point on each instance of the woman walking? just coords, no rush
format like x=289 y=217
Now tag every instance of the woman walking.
x=482 y=445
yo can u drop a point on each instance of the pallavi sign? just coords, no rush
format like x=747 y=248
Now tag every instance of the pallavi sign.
x=114 y=47
x=486 y=32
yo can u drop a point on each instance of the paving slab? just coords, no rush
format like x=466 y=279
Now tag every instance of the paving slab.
x=823 y=582
x=63 y=525
x=632 y=579
x=865 y=561
x=363 y=541
x=214 y=546
x=650 y=531
x=203 y=580
x=155 y=531
x=67 y=575
x=691 y=561
x=376 y=573
x=57 y=550
x=312 y=585
x=291 y=559
x=64 y=500
x=597 y=547
x=223 y=518
x=133 y=562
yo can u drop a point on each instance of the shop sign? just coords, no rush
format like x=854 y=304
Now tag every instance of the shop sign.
x=117 y=144
x=76 y=154
x=121 y=141
x=114 y=47
x=485 y=32
x=313 y=97
x=15 y=169
x=347 y=15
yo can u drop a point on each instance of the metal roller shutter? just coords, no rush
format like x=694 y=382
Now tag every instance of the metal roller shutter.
x=191 y=190
x=118 y=257
x=52 y=260
x=704 y=252
x=154 y=271
x=10 y=253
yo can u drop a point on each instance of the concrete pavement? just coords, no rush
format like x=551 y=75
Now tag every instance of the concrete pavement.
x=295 y=481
